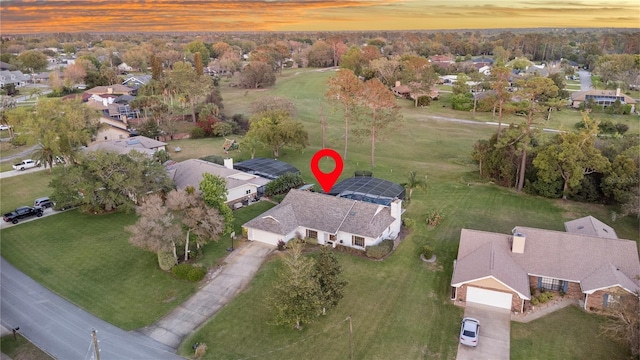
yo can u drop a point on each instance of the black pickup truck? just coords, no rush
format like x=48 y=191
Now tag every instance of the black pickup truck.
x=22 y=212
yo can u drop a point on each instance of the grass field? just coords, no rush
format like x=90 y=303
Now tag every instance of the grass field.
x=399 y=307
x=539 y=339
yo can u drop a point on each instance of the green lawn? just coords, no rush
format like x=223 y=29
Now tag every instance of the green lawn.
x=579 y=339
x=21 y=348
x=21 y=190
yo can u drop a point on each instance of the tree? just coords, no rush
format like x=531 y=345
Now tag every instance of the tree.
x=296 y=297
x=500 y=84
x=415 y=182
x=156 y=67
x=197 y=46
x=104 y=181
x=534 y=91
x=276 y=129
x=621 y=183
x=74 y=74
x=32 y=61
x=257 y=74
x=343 y=90
x=58 y=127
x=156 y=230
x=571 y=156
x=381 y=103
x=623 y=323
x=273 y=102
x=203 y=221
x=328 y=274
x=250 y=142
x=214 y=194
x=197 y=64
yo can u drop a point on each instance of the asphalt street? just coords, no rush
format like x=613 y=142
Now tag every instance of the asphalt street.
x=62 y=329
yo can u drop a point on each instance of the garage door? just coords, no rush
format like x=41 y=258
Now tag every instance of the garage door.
x=489 y=297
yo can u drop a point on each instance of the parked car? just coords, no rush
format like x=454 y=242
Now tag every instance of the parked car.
x=469 y=332
x=26 y=164
x=4 y=127
x=22 y=213
x=43 y=202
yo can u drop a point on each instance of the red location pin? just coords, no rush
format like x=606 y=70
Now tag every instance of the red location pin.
x=326 y=180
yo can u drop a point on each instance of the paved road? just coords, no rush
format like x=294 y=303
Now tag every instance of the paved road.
x=491 y=123
x=585 y=80
x=64 y=330
x=23 y=154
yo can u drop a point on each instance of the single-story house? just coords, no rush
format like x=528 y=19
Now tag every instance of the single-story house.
x=141 y=144
x=135 y=81
x=603 y=98
x=241 y=187
x=13 y=77
x=110 y=89
x=329 y=219
x=587 y=262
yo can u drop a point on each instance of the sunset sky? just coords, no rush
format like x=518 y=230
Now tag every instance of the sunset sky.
x=37 y=16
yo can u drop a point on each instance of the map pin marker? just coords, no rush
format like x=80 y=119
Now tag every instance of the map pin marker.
x=326 y=180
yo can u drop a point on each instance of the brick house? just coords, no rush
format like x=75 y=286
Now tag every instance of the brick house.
x=587 y=262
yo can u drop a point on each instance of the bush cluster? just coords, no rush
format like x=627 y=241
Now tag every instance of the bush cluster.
x=283 y=183
x=427 y=251
x=379 y=251
x=434 y=218
x=541 y=298
x=408 y=223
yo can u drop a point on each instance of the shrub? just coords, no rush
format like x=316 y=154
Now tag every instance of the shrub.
x=434 y=218
x=379 y=251
x=196 y=273
x=222 y=128
x=283 y=184
x=534 y=301
x=366 y=173
x=408 y=223
x=181 y=271
x=311 y=241
x=197 y=133
x=282 y=245
x=166 y=261
x=216 y=159
x=427 y=251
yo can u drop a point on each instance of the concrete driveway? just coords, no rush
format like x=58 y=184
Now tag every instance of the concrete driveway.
x=495 y=333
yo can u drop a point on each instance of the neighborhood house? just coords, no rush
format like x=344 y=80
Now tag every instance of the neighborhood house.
x=241 y=187
x=329 y=219
x=587 y=263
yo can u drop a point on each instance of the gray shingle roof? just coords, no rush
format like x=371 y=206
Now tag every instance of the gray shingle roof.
x=556 y=254
x=190 y=172
x=590 y=226
x=324 y=213
x=491 y=260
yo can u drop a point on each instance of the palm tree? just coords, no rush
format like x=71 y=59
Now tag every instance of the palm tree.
x=415 y=182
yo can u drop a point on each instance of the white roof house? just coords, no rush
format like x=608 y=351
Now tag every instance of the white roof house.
x=329 y=219
x=241 y=186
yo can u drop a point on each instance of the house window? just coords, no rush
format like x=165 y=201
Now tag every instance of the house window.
x=312 y=234
x=551 y=284
x=357 y=241
x=248 y=192
x=610 y=299
x=332 y=237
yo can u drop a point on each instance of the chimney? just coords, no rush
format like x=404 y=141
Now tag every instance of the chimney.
x=397 y=83
x=617 y=91
x=110 y=90
x=396 y=208
x=517 y=245
x=124 y=119
x=228 y=163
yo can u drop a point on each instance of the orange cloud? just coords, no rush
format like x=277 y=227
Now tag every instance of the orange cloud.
x=311 y=15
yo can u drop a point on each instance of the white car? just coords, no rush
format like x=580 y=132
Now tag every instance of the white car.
x=469 y=332
x=26 y=164
x=4 y=127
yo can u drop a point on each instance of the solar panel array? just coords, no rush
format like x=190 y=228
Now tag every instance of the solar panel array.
x=369 y=189
x=268 y=168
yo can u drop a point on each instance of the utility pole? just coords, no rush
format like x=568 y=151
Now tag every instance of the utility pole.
x=323 y=122
x=350 y=335
x=94 y=336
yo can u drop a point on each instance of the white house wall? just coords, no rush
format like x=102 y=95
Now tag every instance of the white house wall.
x=240 y=192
